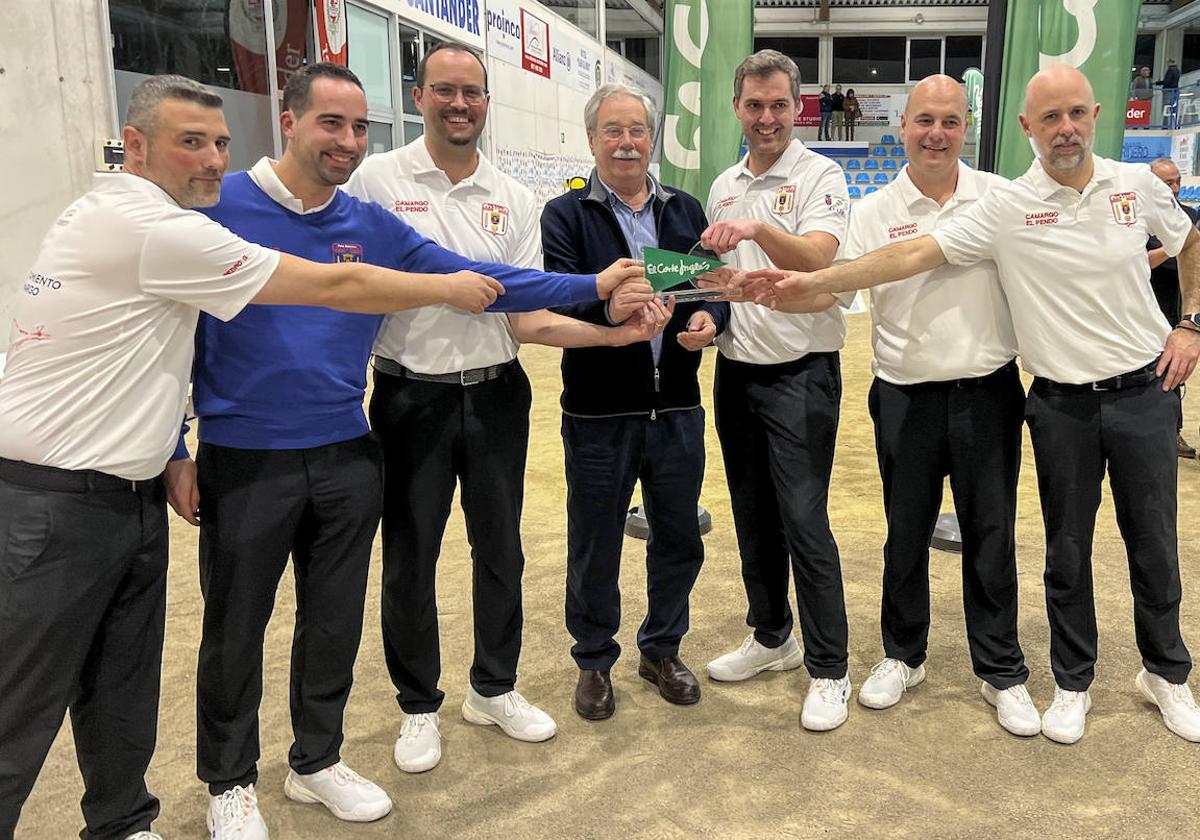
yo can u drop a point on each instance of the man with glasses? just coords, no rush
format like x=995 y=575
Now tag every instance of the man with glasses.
x=451 y=406
x=629 y=414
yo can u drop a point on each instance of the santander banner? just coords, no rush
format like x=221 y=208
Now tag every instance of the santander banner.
x=1137 y=112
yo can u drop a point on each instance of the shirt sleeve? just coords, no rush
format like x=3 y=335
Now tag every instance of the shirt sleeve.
x=528 y=251
x=827 y=206
x=191 y=259
x=970 y=238
x=1166 y=219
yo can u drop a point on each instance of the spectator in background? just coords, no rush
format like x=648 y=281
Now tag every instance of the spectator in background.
x=826 y=113
x=1170 y=79
x=839 y=113
x=853 y=112
x=1142 y=86
x=1164 y=274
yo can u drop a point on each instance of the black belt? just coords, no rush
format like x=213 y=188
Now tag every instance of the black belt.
x=69 y=481
x=966 y=382
x=1132 y=379
x=463 y=377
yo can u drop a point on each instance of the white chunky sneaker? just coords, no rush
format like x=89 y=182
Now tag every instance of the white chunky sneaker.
x=1065 y=720
x=888 y=682
x=419 y=747
x=347 y=795
x=234 y=816
x=1014 y=708
x=516 y=716
x=752 y=658
x=1176 y=703
x=826 y=705
x=144 y=835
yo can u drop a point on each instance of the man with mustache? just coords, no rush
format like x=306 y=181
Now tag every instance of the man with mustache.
x=1068 y=238
x=946 y=401
x=630 y=414
x=451 y=406
x=287 y=465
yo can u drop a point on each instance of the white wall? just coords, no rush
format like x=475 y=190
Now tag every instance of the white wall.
x=56 y=97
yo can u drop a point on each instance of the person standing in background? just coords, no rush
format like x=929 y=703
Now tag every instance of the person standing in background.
x=853 y=112
x=839 y=112
x=826 y=113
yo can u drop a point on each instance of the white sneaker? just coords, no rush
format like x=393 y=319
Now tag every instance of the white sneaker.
x=888 y=682
x=826 y=705
x=1176 y=703
x=419 y=747
x=1014 y=708
x=1065 y=720
x=516 y=716
x=144 y=835
x=752 y=658
x=234 y=816
x=347 y=795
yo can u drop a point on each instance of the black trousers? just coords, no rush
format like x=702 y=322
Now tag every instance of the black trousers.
x=605 y=457
x=1076 y=434
x=83 y=579
x=970 y=430
x=321 y=505
x=435 y=435
x=777 y=425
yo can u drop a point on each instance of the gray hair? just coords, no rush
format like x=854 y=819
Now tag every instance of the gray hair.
x=766 y=63
x=144 y=102
x=591 y=110
x=1162 y=161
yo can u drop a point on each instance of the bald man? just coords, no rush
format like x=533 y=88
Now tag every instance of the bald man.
x=1068 y=239
x=946 y=400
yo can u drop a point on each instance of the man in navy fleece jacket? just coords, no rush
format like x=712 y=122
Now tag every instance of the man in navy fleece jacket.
x=286 y=464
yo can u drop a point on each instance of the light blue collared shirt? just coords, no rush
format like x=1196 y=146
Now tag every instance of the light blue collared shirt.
x=639 y=230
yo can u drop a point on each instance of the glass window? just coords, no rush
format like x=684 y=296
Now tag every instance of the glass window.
x=867 y=60
x=410 y=57
x=963 y=51
x=645 y=53
x=803 y=51
x=1143 y=51
x=379 y=137
x=631 y=35
x=582 y=13
x=413 y=130
x=215 y=42
x=1191 y=51
x=369 y=54
x=924 y=58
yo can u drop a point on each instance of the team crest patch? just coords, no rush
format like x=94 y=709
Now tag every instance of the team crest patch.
x=347 y=252
x=1124 y=207
x=785 y=200
x=837 y=204
x=495 y=218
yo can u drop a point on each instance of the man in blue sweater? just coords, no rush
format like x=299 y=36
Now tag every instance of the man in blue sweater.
x=287 y=465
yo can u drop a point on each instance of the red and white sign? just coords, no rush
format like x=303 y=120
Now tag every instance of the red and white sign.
x=248 y=41
x=1137 y=112
x=331 y=31
x=810 y=110
x=535 y=44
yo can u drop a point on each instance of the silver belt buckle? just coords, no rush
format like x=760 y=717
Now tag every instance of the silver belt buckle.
x=472 y=377
x=1096 y=386
x=133 y=486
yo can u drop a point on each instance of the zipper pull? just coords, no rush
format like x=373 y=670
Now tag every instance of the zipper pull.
x=656 y=388
x=653 y=414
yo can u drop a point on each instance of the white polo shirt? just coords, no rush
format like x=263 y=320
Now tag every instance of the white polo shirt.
x=1074 y=267
x=949 y=323
x=801 y=193
x=487 y=216
x=100 y=348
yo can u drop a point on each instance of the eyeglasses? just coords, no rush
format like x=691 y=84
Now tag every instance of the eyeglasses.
x=615 y=132
x=445 y=93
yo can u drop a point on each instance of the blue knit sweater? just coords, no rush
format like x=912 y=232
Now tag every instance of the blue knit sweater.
x=293 y=377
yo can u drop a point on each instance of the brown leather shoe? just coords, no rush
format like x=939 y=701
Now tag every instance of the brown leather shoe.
x=594 y=695
x=675 y=682
x=1185 y=449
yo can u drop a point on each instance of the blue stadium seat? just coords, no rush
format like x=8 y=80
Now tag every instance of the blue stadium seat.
x=853 y=163
x=882 y=178
x=890 y=164
x=862 y=178
x=871 y=164
x=871 y=190
x=854 y=192
x=887 y=139
x=895 y=175
x=879 y=151
x=849 y=180
x=897 y=151
x=964 y=160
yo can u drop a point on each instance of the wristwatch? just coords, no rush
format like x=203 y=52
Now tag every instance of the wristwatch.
x=1191 y=321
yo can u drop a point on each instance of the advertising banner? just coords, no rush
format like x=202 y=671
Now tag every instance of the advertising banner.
x=535 y=44
x=330 y=16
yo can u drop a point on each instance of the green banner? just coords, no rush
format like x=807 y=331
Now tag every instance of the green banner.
x=1097 y=36
x=973 y=82
x=700 y=134
x=665 y=269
